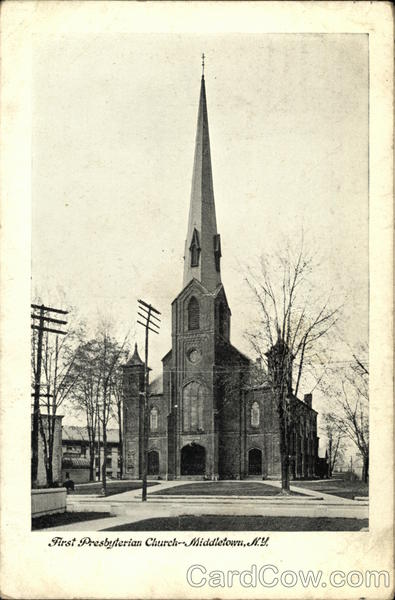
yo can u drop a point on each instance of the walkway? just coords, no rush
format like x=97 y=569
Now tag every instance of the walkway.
x=127 y=506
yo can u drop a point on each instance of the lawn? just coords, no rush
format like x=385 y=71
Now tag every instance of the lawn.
x=337 y=486
x=243 y=523
x=113 y=487
x=222 y=488
x=66 y=518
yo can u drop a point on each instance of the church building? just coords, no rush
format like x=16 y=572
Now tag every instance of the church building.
x=206 y=419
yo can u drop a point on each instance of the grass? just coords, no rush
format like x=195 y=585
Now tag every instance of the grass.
x=66 y=518
x=243 y=523
x=337 y=486
x=113 y=487
x=222 y=488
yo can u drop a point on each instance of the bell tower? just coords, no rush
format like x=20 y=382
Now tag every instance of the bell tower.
x=200 y=327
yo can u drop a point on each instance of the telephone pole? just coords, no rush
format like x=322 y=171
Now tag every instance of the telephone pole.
x=43 y=320
x=151 y=323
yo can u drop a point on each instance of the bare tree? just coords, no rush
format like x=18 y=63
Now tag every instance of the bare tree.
x=335 y=436
x=98 y=361
x=293 y=320
x=87 y=392
x=352 y=408
x=112 y=354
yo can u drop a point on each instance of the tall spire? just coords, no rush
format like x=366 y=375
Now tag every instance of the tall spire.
x=202 y=246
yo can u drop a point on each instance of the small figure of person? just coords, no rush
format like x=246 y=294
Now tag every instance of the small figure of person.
x=69 y=483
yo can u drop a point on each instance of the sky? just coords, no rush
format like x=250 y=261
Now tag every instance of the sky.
x=114 y=120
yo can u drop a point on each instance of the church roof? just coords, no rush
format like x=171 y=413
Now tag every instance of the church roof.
x=156 y=386
x=202 y=226
x=135 y=359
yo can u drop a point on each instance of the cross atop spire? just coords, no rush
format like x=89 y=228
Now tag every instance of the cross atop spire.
x=203 y=57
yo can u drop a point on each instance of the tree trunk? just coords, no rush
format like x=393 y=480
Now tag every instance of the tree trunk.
x=120 y=442
x=330 y=457
x=104 y=466
x=51 y=427
x=50 y=466
x=91 y=461
x=365 y=469
x=285 y=474
x=284 y=448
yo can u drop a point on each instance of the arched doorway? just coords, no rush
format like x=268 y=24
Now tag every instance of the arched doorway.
x=193 y=460
x=255 y=461
x=153 y=462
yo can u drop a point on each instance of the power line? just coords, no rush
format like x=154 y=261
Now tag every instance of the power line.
x=42 y=318
x=149 y=325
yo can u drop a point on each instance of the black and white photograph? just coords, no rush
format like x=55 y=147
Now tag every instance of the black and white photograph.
x=209 y=211
x=201 y=313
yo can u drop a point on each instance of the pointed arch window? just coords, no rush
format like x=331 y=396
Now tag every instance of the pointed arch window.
x=194 y=249
x=154 y=419
x=192 y=406
x=193 y=314
x=217 y=251
x=255 y=414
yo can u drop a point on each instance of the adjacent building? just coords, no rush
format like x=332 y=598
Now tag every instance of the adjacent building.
x=76 y=455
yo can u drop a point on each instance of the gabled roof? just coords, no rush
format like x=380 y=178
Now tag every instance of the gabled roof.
x=156 y=386
x=192 y=283
x=167 y=355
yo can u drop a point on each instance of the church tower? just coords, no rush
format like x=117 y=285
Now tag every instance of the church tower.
x=201 y=348
x=207 y=418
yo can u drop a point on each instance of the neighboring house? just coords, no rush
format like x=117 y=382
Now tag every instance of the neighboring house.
x=75 y=447
x=206 y=420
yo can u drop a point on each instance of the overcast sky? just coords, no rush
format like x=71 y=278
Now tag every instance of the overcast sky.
x=114 y=119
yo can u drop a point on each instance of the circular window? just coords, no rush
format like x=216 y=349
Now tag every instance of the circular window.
x=194 y=355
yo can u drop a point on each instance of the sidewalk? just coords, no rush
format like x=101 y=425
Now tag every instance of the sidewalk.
x=128 y=508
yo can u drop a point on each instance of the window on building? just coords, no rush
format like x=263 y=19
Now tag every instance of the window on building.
x=153 y=419
x=193 y=402
x=255 y=414
x=217 y=251
x=193 y=314
x=83 y=451
x=194 y=249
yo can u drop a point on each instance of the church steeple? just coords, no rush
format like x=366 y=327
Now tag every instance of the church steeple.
x=202 y=246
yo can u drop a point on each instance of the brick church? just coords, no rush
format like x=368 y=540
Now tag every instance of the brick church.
x=206 y=419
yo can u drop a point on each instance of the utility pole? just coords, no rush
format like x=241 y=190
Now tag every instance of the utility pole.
x=148 y=313
x=41 y=327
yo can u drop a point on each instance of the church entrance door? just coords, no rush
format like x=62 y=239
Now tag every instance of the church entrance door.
x=193 y=460
x=255 y=462
x=153 y=463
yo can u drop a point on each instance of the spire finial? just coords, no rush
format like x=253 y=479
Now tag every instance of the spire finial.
x=203 y=57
